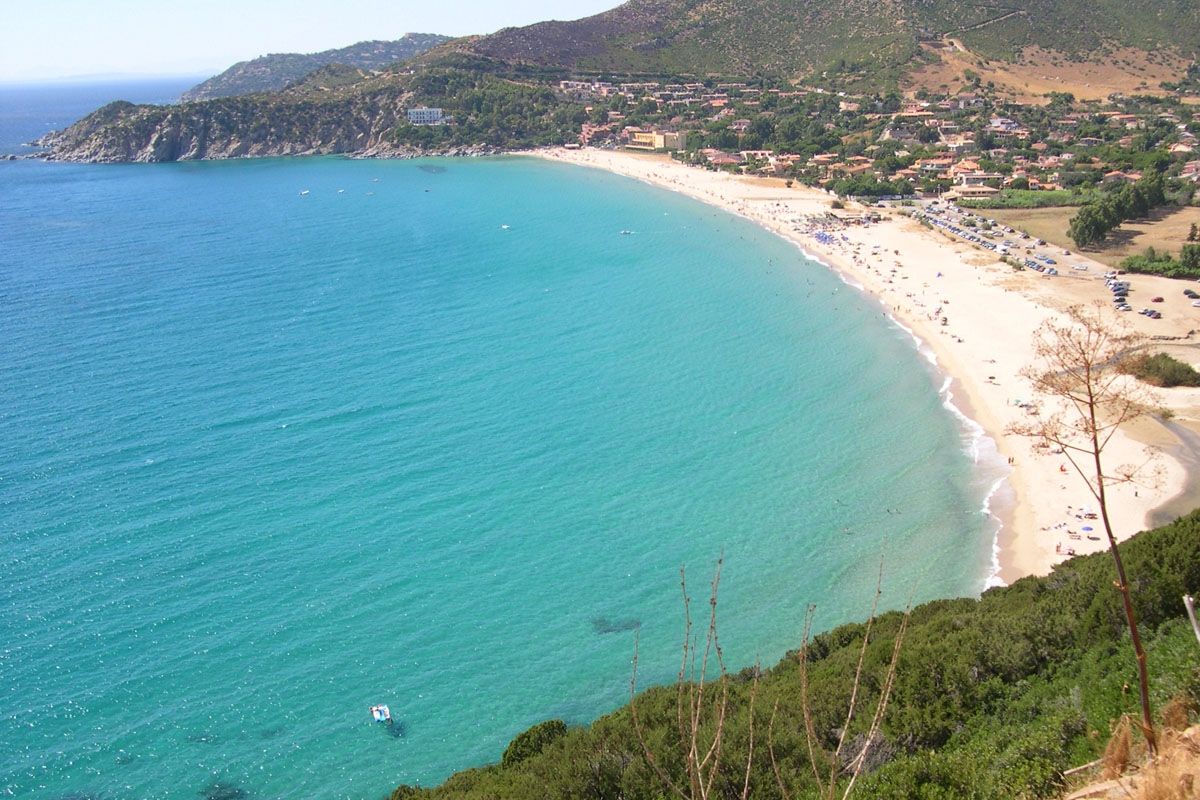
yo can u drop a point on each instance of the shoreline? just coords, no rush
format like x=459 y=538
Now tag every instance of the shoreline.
x=978 y=339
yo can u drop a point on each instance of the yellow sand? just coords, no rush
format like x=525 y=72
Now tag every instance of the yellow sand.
x=991 y=313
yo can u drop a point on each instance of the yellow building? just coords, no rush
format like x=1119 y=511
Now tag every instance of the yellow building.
x=655 y=140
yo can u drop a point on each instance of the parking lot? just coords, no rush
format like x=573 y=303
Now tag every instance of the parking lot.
x=1036 y=255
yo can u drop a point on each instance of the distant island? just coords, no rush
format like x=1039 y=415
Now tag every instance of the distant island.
x=270 y=73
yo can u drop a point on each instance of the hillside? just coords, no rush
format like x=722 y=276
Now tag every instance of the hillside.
x=875 y=41
x=336 y=109
x=994 y=698
x=1021 y=50
x=273 y=72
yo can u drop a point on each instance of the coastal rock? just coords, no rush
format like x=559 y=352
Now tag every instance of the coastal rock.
x=233 y=128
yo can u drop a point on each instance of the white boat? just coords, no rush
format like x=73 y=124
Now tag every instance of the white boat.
x=381 y=713
x=303 y=192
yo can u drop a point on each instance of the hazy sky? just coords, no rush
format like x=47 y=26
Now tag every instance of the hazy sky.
x=47 y=39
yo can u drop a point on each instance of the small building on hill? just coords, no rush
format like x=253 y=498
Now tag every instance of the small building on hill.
x=425 y=116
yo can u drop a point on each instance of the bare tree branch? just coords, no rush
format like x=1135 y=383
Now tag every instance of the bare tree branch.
x=1079 y=366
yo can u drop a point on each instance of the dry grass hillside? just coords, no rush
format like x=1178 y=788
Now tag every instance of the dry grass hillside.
x=1174 y=775
x=1038 y=72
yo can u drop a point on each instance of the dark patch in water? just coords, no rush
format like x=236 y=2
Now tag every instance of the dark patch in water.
x=603 y=625
x=220 y=790
x=203 y=737
x=432 y=169
x=80 y=796
x=397 y=729
x=271 y=733
x=124 y=758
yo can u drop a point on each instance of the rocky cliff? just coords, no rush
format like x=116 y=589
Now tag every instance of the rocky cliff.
x=229 y=128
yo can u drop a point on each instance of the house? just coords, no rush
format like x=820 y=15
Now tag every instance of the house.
x=969 y=191
x=590 y=133
x=719 y=158
x=1117 y=176
x=978 y=178
x=966 y=165
x=930 y=167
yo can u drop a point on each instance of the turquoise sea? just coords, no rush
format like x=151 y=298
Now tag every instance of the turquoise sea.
x=435 y=434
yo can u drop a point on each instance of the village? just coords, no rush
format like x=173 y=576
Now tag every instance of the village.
x=969 y=145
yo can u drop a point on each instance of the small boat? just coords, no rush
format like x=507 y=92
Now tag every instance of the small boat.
x=303 y=192
x=503 y=227
x=381 y=713
x=626 y=232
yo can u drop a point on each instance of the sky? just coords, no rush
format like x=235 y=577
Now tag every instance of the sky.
x=57 y=39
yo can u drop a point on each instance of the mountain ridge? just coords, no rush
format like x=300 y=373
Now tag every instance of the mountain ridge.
x=879 y=39
x=276 y=71
x=856 y=46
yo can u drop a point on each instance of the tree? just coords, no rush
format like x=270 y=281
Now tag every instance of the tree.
x=1193 y=234
x=1189 y=258
x=1087 y=226
x=1080 y=365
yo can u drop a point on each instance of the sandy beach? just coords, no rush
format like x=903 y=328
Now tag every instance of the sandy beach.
x=978 y=316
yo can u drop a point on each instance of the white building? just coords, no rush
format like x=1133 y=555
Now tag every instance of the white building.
x=424 y=116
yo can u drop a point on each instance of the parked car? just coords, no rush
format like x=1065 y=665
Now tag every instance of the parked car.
x=1156 y=299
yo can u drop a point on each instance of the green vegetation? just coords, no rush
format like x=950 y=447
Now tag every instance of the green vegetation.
x=870 y=186
x=852 y=45
x=533 y=741
x=1097 y=218
x=1025 y=198
x=1160 y=262
x=489 y=109
x=993 y=698
x=274 y=72
x=1161 y=369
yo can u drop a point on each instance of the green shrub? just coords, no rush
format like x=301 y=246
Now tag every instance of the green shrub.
x=533 y=741
x=1161 y=369
x=1160 y=262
